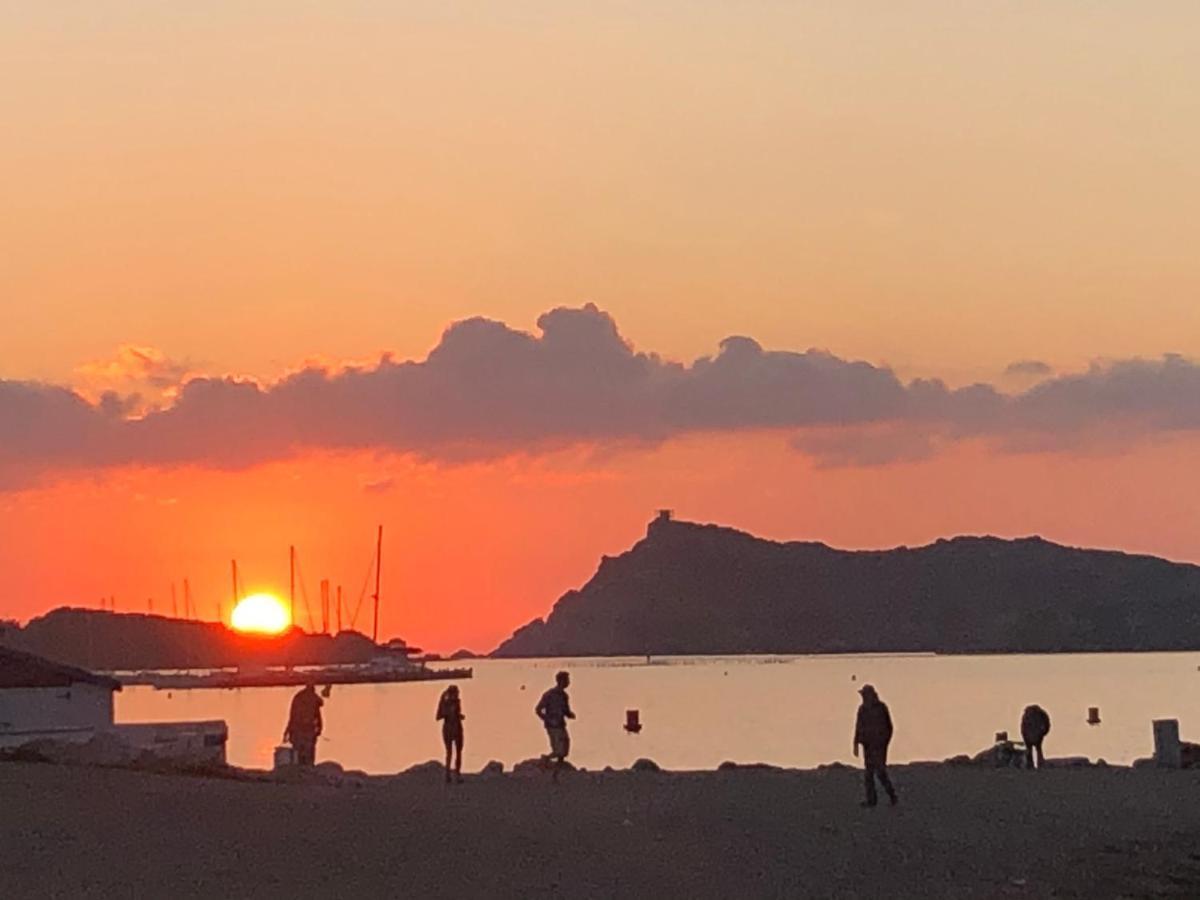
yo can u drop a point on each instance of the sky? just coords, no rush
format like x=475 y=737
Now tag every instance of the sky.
x=506 y=278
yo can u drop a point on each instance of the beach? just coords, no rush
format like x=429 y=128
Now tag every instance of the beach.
x=73 y=831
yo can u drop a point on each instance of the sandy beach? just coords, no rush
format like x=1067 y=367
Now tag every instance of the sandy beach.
x=958 y=832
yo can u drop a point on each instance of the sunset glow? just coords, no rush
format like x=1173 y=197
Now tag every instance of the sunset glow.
x=260 y=614
x=506 y=278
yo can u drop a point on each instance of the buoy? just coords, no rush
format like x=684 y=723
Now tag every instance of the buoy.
x=633 y=722
x=1093 y=715
x=1001 y=737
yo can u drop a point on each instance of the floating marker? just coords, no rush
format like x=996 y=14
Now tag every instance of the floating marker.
x=633 y=723
x=1093 y=715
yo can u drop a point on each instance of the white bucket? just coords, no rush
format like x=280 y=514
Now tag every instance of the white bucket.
x=284 y=756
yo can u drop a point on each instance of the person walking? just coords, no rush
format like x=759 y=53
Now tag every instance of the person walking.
x=554 y=709
x=304 y=725
x=1035 y=725
x=450 y=714
x=873 y=732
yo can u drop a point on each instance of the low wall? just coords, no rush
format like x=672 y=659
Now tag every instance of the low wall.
x=193 y=742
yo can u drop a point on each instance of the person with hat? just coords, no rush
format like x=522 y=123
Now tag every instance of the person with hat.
x=873 y=732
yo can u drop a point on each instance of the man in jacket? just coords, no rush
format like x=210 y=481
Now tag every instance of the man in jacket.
x=873 y=732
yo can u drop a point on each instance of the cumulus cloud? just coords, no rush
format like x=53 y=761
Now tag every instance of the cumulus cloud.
x=134 y=380
x=487 y=390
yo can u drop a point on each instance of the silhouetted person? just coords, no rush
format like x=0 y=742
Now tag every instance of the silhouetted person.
x=304 y=725
x=1035 y=725
x=873 y=732
x=554 y=709
x=450 y=713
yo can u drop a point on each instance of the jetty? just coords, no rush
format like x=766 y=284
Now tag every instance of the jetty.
x=289 y=677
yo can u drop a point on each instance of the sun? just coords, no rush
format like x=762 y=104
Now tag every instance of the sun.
x=261 y=614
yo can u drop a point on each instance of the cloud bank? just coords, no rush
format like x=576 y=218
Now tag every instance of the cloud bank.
x=488 y=390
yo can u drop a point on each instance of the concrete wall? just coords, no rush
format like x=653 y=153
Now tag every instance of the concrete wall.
x=67 y=713
x=192 y=742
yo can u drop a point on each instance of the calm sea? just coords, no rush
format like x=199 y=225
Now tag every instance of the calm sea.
x=699 y=711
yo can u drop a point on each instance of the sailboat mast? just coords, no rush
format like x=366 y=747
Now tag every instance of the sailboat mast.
x=324 y=606
x=292 y=583
x=235 y=591
x=378 y=573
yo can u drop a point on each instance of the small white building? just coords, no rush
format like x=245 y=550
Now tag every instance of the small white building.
x=43 y=699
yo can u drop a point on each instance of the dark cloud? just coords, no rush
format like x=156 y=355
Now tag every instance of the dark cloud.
x=487 y=390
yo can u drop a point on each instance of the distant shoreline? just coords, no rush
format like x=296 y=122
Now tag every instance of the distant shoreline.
x=849 y=654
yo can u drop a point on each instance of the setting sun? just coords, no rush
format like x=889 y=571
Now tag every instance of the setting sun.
x=261 y=614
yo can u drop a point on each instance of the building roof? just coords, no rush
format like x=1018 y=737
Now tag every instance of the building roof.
x=24 y=670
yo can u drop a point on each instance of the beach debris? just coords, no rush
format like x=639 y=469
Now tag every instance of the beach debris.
x=1093 y=717
x=104 y=749
x=1070 y=762
x=327 y=773
x=431 y=769
x=645 y=765
x=731 y=766
x=633 y=722
x=539 y=766
x=1001 y=755
x=835 y=767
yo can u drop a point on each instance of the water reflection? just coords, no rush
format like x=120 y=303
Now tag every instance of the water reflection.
x=699 y=711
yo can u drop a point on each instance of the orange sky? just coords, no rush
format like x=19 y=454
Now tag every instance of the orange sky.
x=473 y=551
x=944 y=188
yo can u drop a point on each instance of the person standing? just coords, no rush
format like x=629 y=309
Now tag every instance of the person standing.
x=1035 y=725
x=554 y=709
x=304 y=724
x=450 y=714
x=873 y=732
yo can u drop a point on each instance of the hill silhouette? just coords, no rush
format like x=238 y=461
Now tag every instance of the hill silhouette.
x=703 y=589
x=121 y=641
